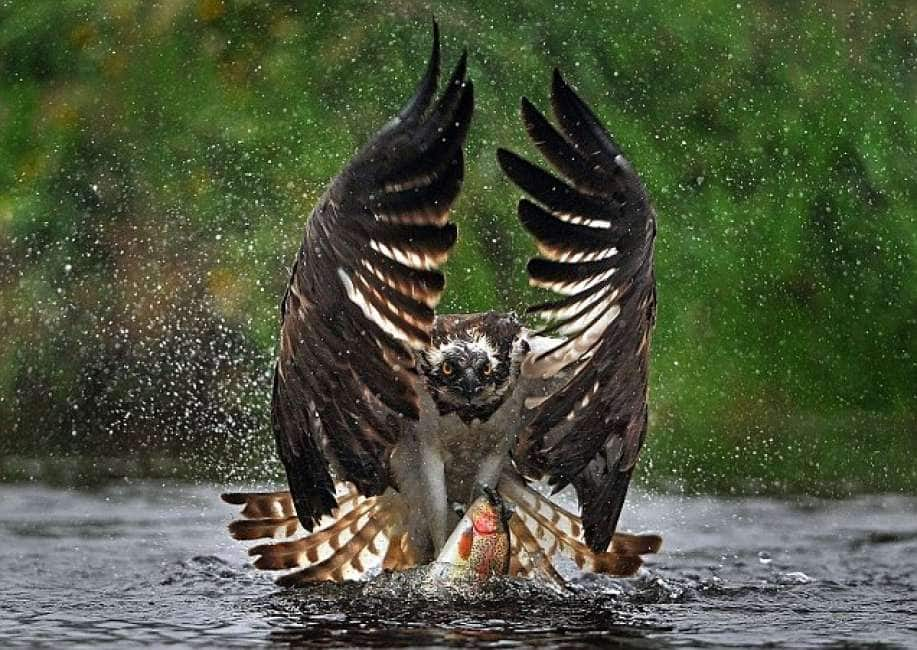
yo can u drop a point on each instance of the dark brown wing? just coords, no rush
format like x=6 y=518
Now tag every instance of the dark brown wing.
x=595 y=232
x=361 y=298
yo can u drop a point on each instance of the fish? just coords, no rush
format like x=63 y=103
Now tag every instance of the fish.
x=479 y=547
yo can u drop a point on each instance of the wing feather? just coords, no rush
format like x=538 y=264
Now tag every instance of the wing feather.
x=361 y=297
x=594 y=227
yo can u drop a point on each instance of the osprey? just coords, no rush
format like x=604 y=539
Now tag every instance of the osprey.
x=389 y=418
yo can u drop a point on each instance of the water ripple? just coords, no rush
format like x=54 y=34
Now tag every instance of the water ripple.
x=148 y=565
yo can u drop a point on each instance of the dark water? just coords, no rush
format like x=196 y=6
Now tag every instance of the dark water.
x=152 y=564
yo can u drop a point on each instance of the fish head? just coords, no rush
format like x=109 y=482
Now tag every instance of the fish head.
x=479 y=547
x=489 y=514
x=485 y=544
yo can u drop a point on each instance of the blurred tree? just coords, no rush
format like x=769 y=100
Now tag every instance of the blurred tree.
x=158 y=162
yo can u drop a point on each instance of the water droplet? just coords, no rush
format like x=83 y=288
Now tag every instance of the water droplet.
x=795 y=578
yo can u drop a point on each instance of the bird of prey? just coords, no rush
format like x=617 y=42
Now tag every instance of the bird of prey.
x=389 y=418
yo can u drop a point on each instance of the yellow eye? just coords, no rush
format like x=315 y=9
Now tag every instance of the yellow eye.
x=488 y=369
x=447 y=368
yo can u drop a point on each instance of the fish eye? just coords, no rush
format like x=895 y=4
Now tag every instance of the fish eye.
x=487 y=369
x=447 y=368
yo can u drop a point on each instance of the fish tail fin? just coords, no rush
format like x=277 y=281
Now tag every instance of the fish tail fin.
x=361 y=535
x=557 y=530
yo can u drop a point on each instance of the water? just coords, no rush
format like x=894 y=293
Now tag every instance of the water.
x=152 y=564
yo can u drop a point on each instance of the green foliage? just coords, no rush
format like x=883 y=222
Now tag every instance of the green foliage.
x=158 y=162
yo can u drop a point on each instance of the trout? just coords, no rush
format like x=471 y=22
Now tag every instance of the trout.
x=479 y=547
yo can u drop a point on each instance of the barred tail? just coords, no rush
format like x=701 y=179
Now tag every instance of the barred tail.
x=361 y=535
x=527 y=558
x=271 y=514
x=557 y=530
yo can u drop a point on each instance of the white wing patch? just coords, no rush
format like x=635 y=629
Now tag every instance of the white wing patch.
x=570 y=288
x=412 y=290
x=358 y=295
x=563 y=313
x=575 y=219
x=408 y=258
x=413 y=183
x=425 y=218
x=574 y=258
x=534 y=402
x=589 y=314
x=563 y=352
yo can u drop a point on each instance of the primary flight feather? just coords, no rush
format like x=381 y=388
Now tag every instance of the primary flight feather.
x=417 y=411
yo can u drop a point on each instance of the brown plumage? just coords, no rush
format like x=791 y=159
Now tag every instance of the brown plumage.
x=413 y=409
x=361 y=534
x=595 y=228
x=375 y=529
x=355 y=310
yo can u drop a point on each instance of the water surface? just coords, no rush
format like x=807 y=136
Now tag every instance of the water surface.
x=152 y=564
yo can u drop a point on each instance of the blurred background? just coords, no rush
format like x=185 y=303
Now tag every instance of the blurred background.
x=158 y=161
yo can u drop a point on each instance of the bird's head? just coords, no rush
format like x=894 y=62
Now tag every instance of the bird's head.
x=472 y=369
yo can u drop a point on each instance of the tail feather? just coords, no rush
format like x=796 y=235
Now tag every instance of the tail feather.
x=368 y=533
x=317 y=547
x=364 y=550
x=557 y=530
x=527 y=558
x=350 y=543
x=272 y=514
x=566 y=523
x=631 y=544
x=400 y=554
x=262 y=505
x=249 y=529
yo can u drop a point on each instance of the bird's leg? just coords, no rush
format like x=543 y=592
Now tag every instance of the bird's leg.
x=420 y=471
x=435 y=500
x=489 y=471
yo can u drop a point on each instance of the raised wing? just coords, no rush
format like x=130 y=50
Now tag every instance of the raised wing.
x=594 y=230
x=361 y=298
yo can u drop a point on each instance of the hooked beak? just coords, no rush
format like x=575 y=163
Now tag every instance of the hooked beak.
x=469 y=384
